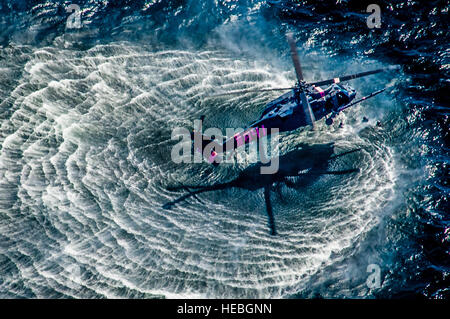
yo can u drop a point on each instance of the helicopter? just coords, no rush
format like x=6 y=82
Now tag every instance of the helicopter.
x=302 y=106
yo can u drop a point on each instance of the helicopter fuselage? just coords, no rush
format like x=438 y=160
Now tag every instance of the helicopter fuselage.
x=285 y=114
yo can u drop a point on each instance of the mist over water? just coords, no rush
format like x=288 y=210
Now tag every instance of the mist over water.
x=85 y=168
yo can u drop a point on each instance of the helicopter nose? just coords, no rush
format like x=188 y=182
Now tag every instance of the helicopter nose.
x=352 y=94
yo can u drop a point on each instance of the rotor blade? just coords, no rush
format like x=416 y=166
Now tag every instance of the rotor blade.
x=361 y=99
x=294 y=56
x=298 y=71
x=273 y=230
x=307 y=109
x=250 y=91
x=348 y=77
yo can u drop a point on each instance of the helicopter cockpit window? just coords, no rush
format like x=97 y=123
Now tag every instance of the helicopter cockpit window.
x=342 y=98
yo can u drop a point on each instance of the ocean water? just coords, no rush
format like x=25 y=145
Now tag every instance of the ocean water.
x=91 y=205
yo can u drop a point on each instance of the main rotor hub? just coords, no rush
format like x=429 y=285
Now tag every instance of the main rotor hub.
x=301 y=85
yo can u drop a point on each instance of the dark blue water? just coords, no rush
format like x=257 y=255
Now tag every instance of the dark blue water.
x=86 y=115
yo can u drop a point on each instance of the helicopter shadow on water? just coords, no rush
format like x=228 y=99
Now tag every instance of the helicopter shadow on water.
x=305 y=164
